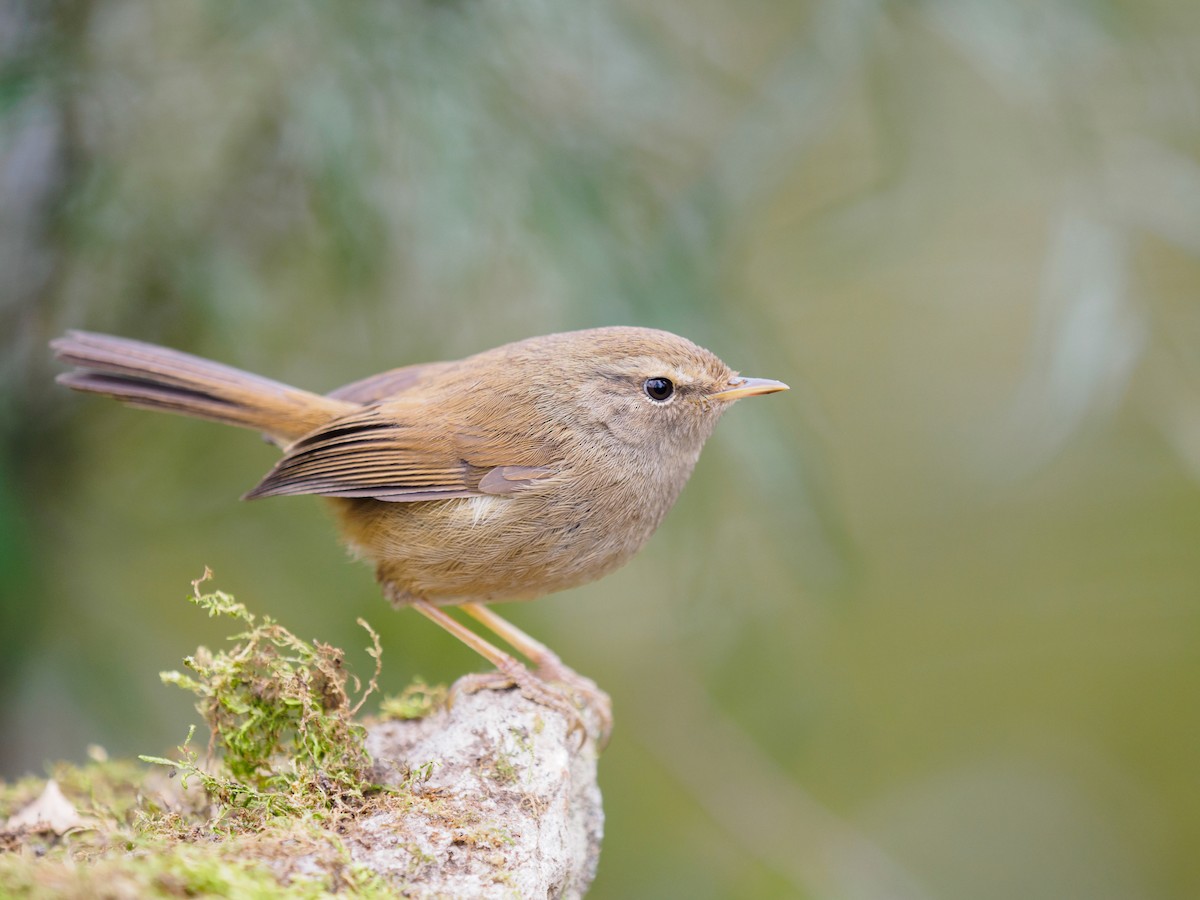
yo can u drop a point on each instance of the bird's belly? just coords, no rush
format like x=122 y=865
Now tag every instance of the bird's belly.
x=485 y=547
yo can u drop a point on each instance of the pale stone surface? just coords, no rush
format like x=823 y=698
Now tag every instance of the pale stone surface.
x=505 y=802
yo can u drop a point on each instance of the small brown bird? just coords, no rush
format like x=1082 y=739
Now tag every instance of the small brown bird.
x=523 y=470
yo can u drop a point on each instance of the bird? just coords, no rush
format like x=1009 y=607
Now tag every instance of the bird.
x=520 y=471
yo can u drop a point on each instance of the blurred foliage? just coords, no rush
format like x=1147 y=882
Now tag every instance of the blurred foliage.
x=926 y=626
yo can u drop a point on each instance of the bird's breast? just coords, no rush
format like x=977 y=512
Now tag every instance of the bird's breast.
x=486 y=547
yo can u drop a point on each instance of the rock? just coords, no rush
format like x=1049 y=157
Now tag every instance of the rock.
x=504 y=802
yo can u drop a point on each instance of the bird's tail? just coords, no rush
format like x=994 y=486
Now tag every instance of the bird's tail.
x=156 y=377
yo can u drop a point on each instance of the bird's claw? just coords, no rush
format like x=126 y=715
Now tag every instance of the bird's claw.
x=561 y=690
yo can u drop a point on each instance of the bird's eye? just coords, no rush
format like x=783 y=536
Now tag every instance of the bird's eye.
x=659 y=389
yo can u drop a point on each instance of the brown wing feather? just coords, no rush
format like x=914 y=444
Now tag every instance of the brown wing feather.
x=395 y=453
x=387 y=384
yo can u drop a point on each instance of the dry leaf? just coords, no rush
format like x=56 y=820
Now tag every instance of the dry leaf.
x=49 y=812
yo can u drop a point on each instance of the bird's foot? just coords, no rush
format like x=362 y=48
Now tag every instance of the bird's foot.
x=583 y=693
x=562 y=690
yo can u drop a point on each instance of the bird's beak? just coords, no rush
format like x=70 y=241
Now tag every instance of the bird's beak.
x=748 y=387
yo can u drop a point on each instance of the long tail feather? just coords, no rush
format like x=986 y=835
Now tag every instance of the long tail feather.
x=153 y=377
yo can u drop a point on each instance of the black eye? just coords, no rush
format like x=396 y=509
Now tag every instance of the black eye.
x=659 y=389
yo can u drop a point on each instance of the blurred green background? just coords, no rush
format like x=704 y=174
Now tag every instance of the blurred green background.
x=926 y=626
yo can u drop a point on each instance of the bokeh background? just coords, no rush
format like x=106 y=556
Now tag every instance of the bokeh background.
x=926 y=626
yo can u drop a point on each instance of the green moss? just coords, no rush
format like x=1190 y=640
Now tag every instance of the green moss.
x=185 y=872
x=144 y=836
x=416 y=701
x=279 y=714
x=503 y=771
x=259 y=816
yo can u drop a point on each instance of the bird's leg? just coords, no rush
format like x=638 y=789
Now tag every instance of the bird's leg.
x=510 y=671
x=533 y=649
x=507 y=664
x=549 y=667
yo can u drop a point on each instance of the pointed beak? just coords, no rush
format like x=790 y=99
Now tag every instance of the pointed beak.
x=748 y=387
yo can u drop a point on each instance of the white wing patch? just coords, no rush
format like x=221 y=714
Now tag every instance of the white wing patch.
x=482 y=508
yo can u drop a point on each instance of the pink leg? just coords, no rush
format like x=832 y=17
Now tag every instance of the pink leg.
x=493 y=654
x=534 y=650
x=549 y=666
x=513 y=674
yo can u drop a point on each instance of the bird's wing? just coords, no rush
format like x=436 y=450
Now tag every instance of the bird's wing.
x=401 y=453
x=386 y=384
